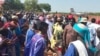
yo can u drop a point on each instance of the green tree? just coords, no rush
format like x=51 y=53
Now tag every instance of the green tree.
x=45 y=6
x=31 y=5
x=38 y=9
x=13 y=4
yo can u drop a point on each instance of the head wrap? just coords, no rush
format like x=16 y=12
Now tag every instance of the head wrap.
x=70 y=16
x=83 y=31
x=41 y=18
x=82 y=19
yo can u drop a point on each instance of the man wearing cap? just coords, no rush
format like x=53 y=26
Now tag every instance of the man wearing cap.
x=92 y=31
x=75 y=46
x=16 y=31
x=80 y=48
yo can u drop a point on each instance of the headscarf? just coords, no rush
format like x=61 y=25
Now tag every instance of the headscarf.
x=70 y=16
x=83 y=31
x=41 y=18
x=82 y=19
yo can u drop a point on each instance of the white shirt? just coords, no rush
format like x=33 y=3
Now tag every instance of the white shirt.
x=93 y=25
x=50 y=27
x=93 y=35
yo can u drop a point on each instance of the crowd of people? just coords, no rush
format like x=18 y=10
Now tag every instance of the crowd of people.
x=31 y=34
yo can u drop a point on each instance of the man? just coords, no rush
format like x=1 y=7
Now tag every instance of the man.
x=41 y=18
x=76 y=46
x=98 y=46
x=10 y=27
x=21 y=21
x=3 y=39
x=29 y=35
x=17 y=32
x=56 y=39
x=38 y=44
x=98 y=35
x=50 y=26
x=92 y=28
x=68 y=35
x=79 y=46
x=2 y=18
x=93 y=24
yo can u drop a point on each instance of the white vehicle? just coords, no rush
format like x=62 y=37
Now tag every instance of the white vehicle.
x=77 y=13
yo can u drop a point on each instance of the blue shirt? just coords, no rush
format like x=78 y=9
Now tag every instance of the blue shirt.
x=71 y=51
x=37 y=45
x=29 y=36
x=21 y=22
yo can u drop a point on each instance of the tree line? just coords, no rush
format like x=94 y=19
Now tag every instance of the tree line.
x=28 y=5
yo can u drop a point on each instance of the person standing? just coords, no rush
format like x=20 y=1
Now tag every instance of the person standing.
x=50 y=26
x=68 y=35
x=30 y=33
x=38 y=44
x=77 y=47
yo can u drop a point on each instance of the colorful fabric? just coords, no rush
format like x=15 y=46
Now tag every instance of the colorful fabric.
x=76 y=48
x=29 y=36
x=37 y=45
x=80 y=48
x=53 y=42
x=58 y=30
x=21 y=22
x=57 y=35
x=41 y=18
x=70 y=16
x=83 y=31
x=17 y=44
x=79 y=19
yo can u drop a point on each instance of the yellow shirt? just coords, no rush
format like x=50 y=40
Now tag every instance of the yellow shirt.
x=57 y=34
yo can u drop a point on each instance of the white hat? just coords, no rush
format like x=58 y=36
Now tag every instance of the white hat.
x=48 y=16
x=14 y=17
x=83 y=20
